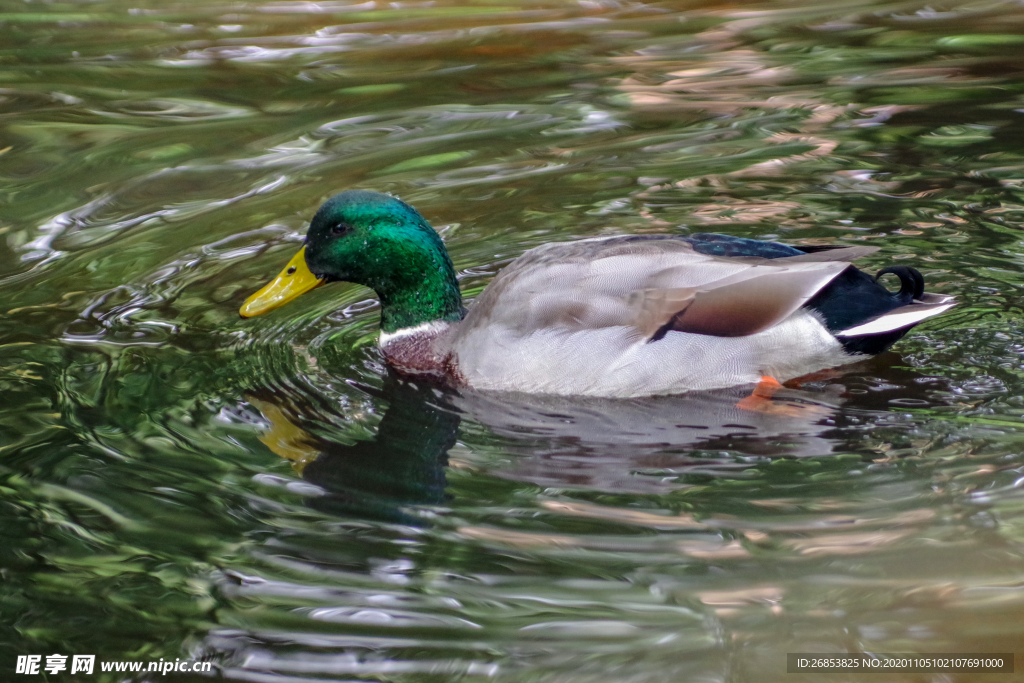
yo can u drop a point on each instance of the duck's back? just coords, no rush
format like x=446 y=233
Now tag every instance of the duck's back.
x=636 y=315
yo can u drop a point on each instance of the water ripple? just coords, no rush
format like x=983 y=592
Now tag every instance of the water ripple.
x=179 y=482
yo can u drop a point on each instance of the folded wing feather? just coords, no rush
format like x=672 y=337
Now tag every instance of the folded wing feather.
x=766 y=296
x=654 y=285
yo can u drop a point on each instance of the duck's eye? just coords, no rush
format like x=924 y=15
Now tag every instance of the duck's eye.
x=291 y=271
x=341 y=228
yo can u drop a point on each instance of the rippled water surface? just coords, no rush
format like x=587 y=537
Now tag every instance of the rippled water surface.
x=179 y=483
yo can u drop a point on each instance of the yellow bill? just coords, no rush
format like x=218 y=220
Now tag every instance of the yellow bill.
x=294 y=280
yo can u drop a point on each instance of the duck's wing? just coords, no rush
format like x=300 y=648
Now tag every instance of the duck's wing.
x=653 y=284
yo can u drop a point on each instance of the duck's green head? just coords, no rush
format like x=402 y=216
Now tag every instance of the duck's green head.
x=375 y=240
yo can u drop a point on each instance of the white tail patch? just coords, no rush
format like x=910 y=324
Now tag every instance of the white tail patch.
x=898 y=318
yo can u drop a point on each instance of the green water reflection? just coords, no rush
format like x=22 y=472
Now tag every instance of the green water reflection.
x=178 y=483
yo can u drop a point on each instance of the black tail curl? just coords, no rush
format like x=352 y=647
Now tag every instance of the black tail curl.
x=854 y=297
x=911 y=282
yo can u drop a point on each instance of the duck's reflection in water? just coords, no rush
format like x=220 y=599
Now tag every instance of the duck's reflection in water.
x=637 y=445
x=402 y=465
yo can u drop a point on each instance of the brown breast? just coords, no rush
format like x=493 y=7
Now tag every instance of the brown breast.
x=424 y=354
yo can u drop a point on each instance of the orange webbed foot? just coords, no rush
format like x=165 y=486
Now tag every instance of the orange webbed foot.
x=760 y=401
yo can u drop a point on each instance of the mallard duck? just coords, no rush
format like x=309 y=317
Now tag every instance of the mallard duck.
x=630 y=315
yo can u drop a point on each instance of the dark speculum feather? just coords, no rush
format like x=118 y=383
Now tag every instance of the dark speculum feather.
x=727 y=246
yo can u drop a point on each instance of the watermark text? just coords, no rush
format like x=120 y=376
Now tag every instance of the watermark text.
x=87 y=664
